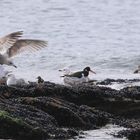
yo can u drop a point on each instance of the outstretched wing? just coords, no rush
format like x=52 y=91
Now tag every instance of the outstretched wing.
x=26 y=45
x=8 y=40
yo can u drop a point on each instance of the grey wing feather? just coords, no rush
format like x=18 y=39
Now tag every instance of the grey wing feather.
x=10 y=39
x=26 y=45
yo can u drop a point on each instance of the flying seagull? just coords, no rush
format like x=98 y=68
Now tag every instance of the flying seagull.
x=11 y=45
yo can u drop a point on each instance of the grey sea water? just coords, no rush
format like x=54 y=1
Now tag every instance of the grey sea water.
x=102 y=34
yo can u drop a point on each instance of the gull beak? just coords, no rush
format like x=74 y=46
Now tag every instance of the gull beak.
x=11 y=64
x=15 y=66
x=59 y=70
x=92 y=71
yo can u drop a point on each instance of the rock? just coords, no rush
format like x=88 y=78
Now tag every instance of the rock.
x=119 y=81
x=56 y=111
x=37 y=113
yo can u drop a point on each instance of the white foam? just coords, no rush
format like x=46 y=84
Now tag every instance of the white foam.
x=104 y=133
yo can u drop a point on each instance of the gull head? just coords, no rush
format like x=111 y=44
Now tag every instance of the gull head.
x=10 y=75
x=65 y=71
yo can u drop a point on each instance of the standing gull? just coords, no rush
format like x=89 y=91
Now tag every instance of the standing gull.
x=11 y=46
x=13 y=81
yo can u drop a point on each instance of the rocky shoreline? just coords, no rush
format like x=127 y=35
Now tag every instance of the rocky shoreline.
x=54 y=111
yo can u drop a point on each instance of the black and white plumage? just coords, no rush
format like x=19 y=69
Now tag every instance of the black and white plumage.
x=77 y=77
x=11 y=46
x=137 y=70
x=80 y=74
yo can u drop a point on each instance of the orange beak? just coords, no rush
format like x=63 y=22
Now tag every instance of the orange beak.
x=92 y=71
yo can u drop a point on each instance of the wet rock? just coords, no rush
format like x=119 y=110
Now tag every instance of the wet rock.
x=119 y=81
x=110 y=81
x=67 y=114
x=56 y=111
x=41 y=113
